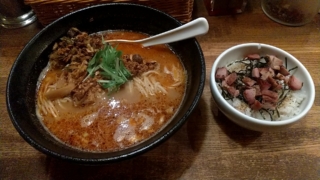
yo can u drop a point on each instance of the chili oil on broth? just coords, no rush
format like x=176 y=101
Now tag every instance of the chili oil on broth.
x=121 y=119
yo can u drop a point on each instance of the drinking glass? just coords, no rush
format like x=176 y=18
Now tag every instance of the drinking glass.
x=15 y=14
x=291 y=12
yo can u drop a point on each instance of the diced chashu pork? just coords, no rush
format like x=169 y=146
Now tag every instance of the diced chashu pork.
x=294 y=83
x=274 y=62
x=253 y=56
x=248 y=81
x=228 y=82
x=269 y=74
x=221 y=73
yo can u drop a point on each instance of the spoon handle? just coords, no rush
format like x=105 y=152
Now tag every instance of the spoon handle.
x=194 y=28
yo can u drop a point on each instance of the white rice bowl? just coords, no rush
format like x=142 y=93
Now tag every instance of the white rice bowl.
x=293 y=109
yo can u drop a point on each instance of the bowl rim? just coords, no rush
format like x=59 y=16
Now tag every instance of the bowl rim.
x=242 y=116
x=118 y=156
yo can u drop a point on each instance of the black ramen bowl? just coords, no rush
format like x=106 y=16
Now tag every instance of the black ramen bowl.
x=22 y=81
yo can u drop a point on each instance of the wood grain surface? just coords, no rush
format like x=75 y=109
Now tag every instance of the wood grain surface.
x=208 y=146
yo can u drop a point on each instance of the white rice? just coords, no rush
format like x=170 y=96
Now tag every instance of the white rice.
x=290 y=107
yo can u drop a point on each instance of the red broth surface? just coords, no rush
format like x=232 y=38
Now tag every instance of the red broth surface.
x=121 y=119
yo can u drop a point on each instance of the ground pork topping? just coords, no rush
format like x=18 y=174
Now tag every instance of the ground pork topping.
x=85 y=62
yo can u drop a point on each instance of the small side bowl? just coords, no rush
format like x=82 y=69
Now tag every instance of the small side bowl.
x=238 y=52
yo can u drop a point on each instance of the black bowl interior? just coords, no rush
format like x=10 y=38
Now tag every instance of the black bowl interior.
x=22 y=81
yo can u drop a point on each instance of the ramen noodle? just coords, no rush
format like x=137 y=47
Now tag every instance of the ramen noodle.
x=82 y=112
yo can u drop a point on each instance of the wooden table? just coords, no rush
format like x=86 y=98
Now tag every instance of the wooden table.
x=208 y=146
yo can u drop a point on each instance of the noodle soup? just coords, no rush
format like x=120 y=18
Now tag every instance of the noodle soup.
x=77 y=110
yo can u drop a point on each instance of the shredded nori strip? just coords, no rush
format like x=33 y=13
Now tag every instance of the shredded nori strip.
x=293 y=68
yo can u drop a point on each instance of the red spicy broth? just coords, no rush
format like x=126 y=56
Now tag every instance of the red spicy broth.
x=121 y=119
